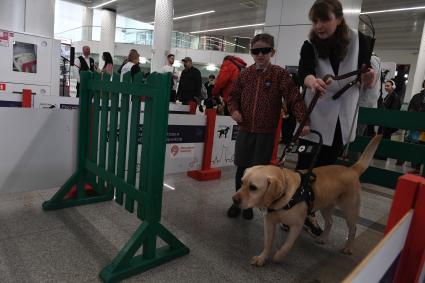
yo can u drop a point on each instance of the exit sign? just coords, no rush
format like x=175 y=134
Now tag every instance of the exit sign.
x=2 y=87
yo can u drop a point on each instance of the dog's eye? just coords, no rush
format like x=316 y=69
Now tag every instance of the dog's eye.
x=252 y=188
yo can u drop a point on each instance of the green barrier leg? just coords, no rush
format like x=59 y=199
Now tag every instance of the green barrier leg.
x=125 y=264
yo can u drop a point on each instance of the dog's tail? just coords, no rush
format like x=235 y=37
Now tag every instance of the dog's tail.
x=361 y=165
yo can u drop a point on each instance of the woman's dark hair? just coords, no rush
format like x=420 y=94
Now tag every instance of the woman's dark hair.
x=108 y=58
x=339 y=41
x=264 y=37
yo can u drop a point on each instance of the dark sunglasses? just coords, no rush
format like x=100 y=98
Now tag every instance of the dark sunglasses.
x=264 y=50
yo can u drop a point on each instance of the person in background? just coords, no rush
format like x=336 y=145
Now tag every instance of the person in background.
x=255 y=104
x=209 y=85
x=229 y=71
x=108 y=67
x=169 y=68
x=417 y=104
x=332 y=48
x=369 y=96
x=132 y=65
x=190 y=83
x=391 y=101
x=84 y=63
x=125 y=61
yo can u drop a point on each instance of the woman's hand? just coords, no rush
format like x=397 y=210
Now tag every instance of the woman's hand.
x=368 y=78
x=305 y=131
x=237 y=116
x=316 y=84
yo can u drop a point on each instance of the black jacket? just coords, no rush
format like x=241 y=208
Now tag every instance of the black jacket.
x=190 y=85
x=417 y=103
x=392 y=101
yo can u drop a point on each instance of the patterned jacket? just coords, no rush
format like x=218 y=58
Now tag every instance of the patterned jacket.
x=257 y=94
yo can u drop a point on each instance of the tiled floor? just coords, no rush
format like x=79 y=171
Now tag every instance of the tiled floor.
x=74 y=244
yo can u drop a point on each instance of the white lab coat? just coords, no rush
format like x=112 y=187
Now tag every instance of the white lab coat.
x=326 y=112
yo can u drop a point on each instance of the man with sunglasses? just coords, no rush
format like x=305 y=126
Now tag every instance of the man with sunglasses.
x=255 y=103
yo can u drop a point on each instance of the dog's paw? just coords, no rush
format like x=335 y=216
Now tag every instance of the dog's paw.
x=347 y=251
x=258 y=260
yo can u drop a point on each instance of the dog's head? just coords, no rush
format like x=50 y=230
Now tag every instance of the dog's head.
x=261 y=185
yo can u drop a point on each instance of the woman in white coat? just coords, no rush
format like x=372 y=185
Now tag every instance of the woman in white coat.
x=333 y=48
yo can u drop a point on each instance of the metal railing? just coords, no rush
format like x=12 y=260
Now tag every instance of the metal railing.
x=145 y=37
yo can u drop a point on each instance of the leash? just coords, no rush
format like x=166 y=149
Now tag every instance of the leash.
x=313 y=103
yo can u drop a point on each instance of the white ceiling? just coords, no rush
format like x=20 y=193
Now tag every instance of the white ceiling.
x=398 y=30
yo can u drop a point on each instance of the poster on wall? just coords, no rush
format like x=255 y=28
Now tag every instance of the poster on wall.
x=24 y=57
x=4 y=38
x=225 y=133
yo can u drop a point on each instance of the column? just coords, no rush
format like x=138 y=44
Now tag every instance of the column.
x=12 y=15
x=34 y=17
x=288 y=22
x=163 y=28
x=40 y=17
x=86 y=33
x=419 y=74
x=107 y=33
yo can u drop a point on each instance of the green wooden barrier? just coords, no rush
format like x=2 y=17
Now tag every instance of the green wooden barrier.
x=107 y=160
x=388 y=148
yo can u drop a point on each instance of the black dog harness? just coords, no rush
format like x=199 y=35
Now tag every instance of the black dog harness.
x=303 y=193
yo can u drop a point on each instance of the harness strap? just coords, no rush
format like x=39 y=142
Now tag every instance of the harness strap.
x=303 y=193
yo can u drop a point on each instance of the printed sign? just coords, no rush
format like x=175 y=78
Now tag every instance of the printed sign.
x=182 y=150
x=225 y=133
x=4 y=38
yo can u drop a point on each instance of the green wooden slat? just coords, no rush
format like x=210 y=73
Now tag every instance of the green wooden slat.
x=132 y=149
x=377 y=176
x=104 y=96
x=145 y=155
x=118 y=182
x=131 y=88
x=392 y=118
x=392 y=149
x=156 y=140
x=112 y=145
x=122 y=142
x=151 y=184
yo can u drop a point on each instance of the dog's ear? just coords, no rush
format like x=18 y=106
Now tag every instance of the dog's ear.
x=273 y=191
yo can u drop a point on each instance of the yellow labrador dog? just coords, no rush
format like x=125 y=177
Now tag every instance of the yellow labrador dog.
x=272 y=188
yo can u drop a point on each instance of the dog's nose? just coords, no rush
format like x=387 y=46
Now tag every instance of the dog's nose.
x=236 y=201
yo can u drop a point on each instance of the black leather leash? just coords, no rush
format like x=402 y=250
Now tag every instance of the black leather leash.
x=313 y=102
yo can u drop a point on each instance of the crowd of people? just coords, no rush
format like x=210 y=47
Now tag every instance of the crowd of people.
x=253 y=95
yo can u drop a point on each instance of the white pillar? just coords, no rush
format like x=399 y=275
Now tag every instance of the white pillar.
x=420 y=70
x=87 y=24
x=12 y=15
x=352 y=10
x=35 y=17
x=163 y=28
x=288 y=22
x=40 y=17
x=107 y=33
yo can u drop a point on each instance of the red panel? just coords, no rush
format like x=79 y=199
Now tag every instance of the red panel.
x=26 y=98
x=192 y=107
x=404 y=199
x=2 y=87
x=411 y=255
x=207 y=173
